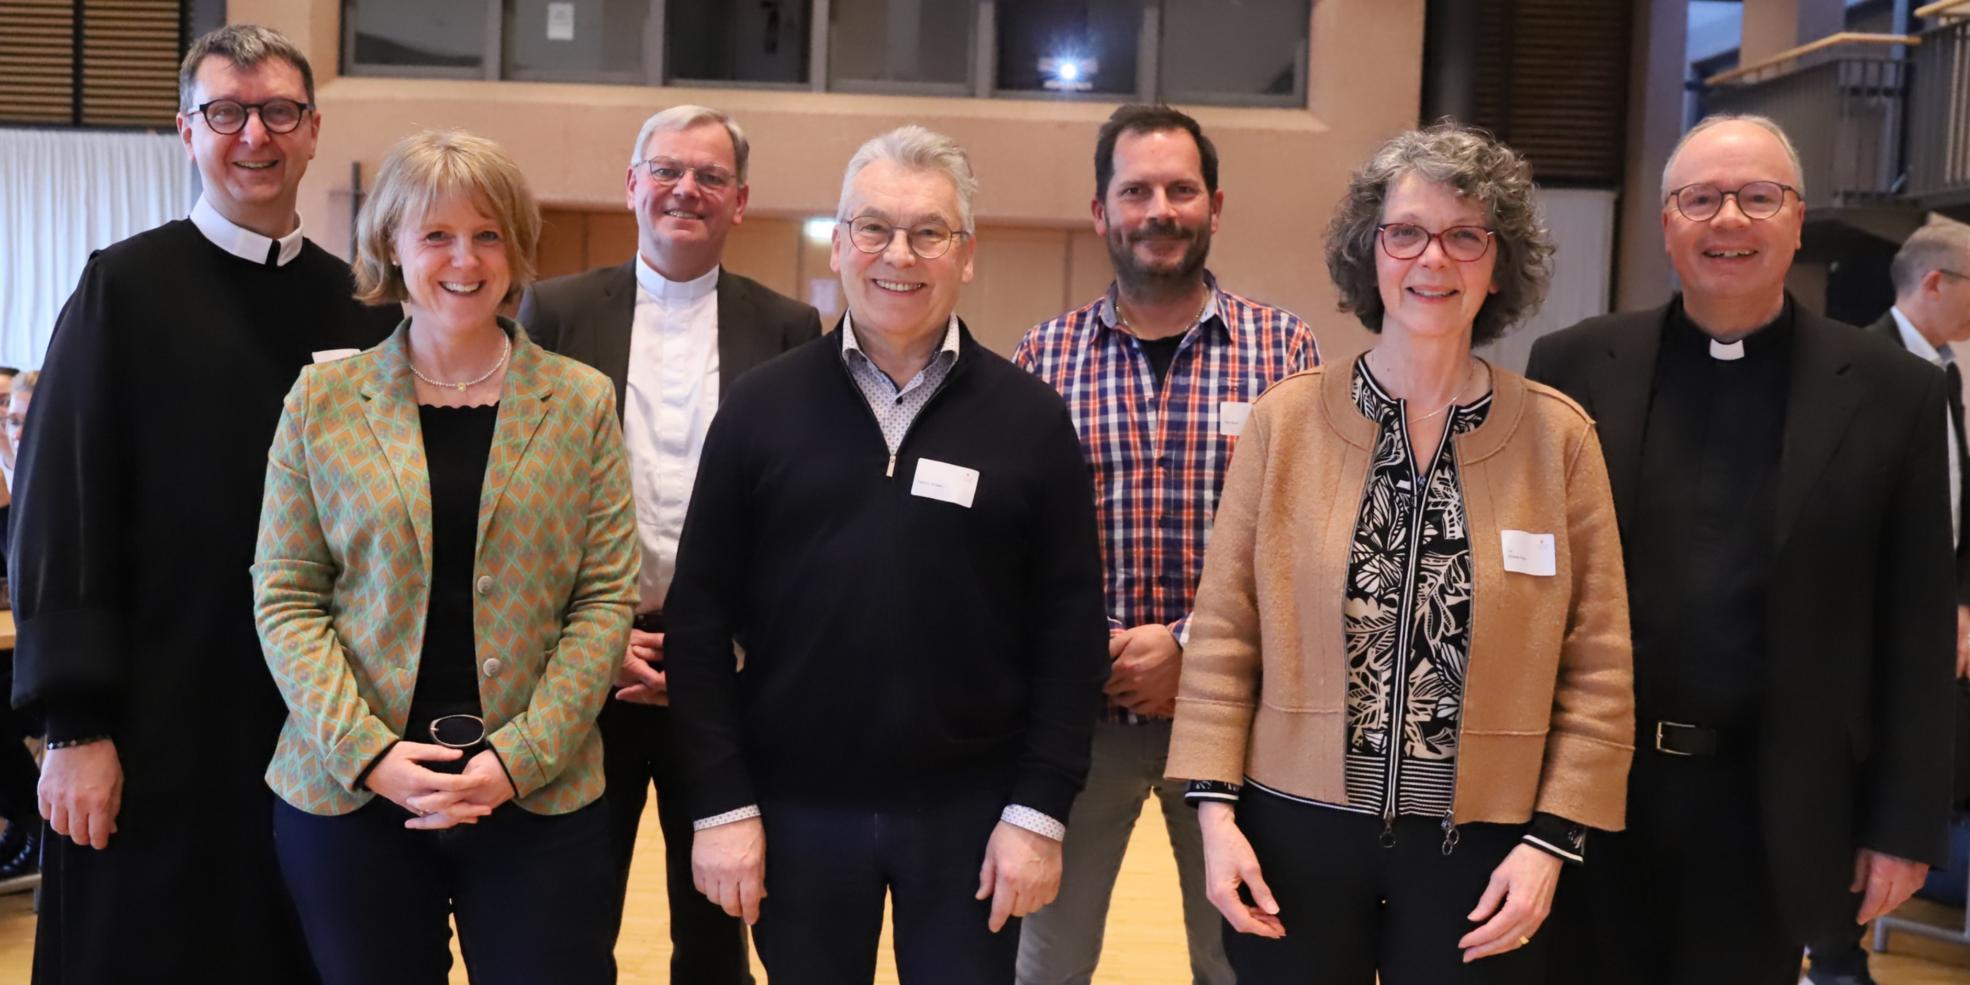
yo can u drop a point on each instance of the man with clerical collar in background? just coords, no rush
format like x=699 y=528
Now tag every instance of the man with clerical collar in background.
x=132 y=544
x=673 y=328
x=897 y=527
x=1781 y=486
x=1931 y=274
x=1159 y=374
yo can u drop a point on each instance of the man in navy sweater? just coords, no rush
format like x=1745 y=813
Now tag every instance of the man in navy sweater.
x=895 y=527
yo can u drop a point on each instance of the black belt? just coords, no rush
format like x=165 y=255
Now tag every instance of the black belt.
x=1684 y=739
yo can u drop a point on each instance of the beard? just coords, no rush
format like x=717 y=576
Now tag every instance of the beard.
x=1141 y=277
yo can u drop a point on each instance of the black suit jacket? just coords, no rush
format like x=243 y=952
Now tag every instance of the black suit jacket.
x=1854 y=749
x=587 y=316
x=1885 y=328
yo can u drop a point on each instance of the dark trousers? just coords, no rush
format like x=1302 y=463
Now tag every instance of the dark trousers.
x=18 y=776
x=707 y=947
x=1354 y=909
x=1685 y=893
x=530 y=893
x=828 y=869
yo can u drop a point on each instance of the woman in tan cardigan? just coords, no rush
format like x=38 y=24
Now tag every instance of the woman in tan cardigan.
x=1407 y=694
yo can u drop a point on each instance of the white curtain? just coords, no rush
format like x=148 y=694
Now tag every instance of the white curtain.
x=63 y=195
x=1582 y=224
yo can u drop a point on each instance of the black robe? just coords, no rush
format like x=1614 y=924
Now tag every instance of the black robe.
x=136 y=508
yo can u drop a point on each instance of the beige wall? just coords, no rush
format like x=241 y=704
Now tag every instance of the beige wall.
x=1282 y=169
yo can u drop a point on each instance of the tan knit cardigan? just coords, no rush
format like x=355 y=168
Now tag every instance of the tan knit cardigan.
x=1549 y=715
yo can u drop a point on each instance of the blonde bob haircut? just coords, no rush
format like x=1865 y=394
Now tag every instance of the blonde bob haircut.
x=423 y=169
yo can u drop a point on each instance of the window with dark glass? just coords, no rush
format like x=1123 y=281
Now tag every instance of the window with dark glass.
x=1068 y=46
x=901 y=41
x=431 y=34
x=582 y=39
x=726 y=41
x=1222 y=50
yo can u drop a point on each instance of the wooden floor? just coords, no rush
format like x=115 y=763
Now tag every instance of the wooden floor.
x=1145 y=929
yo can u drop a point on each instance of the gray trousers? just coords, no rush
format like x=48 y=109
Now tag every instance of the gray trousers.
x=1061 y=944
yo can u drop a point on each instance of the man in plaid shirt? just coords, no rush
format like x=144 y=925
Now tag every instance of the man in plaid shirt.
x=1159 y=373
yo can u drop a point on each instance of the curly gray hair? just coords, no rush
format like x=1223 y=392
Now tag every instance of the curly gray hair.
x=1474 y=164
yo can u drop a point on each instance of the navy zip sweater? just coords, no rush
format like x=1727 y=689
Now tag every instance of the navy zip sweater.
x=898 y=650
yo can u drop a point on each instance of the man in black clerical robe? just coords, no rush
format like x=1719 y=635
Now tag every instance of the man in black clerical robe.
x=1782 y=492
x=135 y=508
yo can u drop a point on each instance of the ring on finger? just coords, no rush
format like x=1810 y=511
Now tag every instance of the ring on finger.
x=1523 y=940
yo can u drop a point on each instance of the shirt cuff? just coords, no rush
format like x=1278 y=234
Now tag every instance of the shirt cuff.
x=1029 y=819
x=1558 y=837
x=1181 y=630
x=745 y=813
x=1203 y=790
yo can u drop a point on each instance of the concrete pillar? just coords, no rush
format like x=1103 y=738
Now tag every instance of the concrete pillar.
x=1772 y=26
x=1655 y=122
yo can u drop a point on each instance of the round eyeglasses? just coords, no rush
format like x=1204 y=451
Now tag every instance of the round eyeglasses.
x=1757 y=199
x=458 y=731
x=667 y=173
x=229 y=116
x=928 y=241
x=1407 y=241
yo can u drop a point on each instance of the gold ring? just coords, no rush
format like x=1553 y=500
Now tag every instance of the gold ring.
x=1523 y=941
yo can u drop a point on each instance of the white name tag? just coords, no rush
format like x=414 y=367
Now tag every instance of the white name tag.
x=1528 y=553
x=331 y=355
x=1231 y=417
x=942 y=481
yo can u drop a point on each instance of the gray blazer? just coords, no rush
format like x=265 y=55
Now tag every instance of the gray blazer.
x=587 y=316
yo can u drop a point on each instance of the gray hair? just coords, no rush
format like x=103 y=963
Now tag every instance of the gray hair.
x=1765 y=123
x=686 y=116
x=244 y=45
x=918 y=149
x=1941 y=245
x=1478 y=167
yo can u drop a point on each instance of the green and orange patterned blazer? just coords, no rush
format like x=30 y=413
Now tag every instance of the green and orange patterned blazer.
x=343 y=565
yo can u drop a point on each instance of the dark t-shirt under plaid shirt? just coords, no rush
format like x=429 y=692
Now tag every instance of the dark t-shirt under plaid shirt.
x=1158 y=453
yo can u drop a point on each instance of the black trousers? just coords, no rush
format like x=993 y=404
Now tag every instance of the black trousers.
x=1685 y=893
x=1354 y=909
x=828 y=869
x=18 y=775
x=706 y=946
x=530 y=893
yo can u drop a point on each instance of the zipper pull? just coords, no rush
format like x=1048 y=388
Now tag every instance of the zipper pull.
x=890 y=473
x=1450 y=833
x=1387 y=839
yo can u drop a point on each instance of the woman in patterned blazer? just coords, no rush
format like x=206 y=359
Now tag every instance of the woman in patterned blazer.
x=443 y=583
x=1407 y=692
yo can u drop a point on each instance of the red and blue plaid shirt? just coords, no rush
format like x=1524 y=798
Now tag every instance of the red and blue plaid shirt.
x=1158 y=454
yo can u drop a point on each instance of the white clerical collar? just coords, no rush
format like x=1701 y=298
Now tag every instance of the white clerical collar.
x=242 y=242
x=1916 y=344
x=663 y=288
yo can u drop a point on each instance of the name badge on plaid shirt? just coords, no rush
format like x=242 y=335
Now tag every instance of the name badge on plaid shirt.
x=1231 y=417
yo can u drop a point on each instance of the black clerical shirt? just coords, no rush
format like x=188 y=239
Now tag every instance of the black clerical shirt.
x=1700 y=553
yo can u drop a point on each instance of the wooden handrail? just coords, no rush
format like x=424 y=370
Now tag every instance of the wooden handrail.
x=1844 y=37
x=1943 y=6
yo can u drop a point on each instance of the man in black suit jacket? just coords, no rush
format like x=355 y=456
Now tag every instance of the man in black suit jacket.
x=1780 y=482
x=673 y=329
x=1932 y=311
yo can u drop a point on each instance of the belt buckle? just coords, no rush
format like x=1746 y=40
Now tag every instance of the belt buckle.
x=1665 y=750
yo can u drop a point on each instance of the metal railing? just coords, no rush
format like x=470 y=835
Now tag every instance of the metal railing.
x=1846 y=117
x=1939 y=114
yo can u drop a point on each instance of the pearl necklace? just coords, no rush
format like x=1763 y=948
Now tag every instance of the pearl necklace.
x=505 y=349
